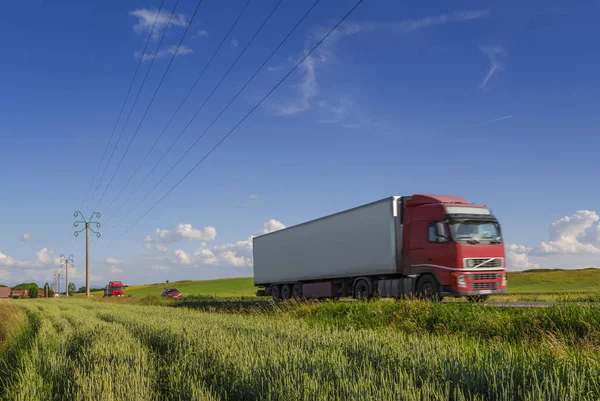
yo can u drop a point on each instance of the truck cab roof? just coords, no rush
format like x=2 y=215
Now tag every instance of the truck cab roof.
x=425 y=199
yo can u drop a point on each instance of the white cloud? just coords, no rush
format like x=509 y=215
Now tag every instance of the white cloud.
x=201 y=34
x=26 y=237
x=6 y=260
x=169 y=51
x=338 y=112
x=273 y=68
x=271 y=226
x=114 y=269
x=235 y=43
x=496 y=54
x=4 y=274
x=495 y=120
x=253 y=196
x=46 y=257
x=460 y=16
x=206 y=256
x=146 y=18
x=308 y=87
x=518 y=259
x=574 y=242
x=161 y=248
x=148 y=246
x=183 y=231
x=113 y=261
x=182 y=257
x=235 y=254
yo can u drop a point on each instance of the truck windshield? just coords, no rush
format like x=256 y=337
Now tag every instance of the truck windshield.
x=475 y=232
x=114 y=288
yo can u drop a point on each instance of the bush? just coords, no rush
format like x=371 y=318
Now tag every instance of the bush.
x=33 y=291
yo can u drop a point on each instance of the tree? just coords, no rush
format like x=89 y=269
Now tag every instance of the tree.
x=72 y=288
x=33 y=291
x=81 y=289
x=2 y=285
x=50 y=293
x=167 y=281
x=24 y=286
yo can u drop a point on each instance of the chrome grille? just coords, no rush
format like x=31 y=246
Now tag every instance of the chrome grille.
x=485 y=276
x=483 y=263
x=484 y=286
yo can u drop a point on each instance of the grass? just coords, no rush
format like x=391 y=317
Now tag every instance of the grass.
x=554 y=281
x=12 y=318
x=572 y=325
x=81 y=350
x=222 y=288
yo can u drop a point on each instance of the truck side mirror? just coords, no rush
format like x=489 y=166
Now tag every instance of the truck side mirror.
x=442 y=235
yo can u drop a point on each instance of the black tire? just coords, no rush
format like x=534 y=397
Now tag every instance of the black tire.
x=428 y=288
x=362 y=290
x=297 y=291
x=275 y=292
x=478 y=298
x=286 y=292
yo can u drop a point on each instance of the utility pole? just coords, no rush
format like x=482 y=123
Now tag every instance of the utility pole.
x=87 y=229
x=66 y=261
x=58 y=277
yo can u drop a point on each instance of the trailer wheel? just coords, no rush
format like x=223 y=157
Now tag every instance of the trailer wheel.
x=275 y=292
x=362 y=290
x=297 y=291
x=477 y=298
x=427 y=288
x=286 y=291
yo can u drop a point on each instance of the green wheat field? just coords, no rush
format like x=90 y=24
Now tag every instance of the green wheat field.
x=147 y=348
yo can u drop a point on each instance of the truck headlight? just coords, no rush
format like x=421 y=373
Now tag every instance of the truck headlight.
x=460 y=281
x=503 y=279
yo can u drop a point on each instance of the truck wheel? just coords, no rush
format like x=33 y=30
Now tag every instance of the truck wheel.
x=286 y=291
x=275 y=292
x=362 y=290
x=427 y=288
x=297 y=291
x=477 y=298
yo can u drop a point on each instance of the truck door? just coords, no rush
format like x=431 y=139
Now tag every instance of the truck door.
x=430 y=247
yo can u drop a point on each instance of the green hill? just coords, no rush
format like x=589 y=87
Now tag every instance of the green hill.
x=532 y=282
x=221 y=288
x=554 y=281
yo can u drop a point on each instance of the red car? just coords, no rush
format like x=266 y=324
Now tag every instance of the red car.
x=172 y=293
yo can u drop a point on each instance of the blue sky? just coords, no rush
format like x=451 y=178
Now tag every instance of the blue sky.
x=490 y=101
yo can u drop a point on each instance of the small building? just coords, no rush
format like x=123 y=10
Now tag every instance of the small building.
x=41 y=293
x=5 y=292
x=20 y=293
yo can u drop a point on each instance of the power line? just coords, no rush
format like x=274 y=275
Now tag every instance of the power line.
x=151 y=102
x=134 y=103
x=123 y=105
x=239 y=122
x=174 y=114
x=206 y=101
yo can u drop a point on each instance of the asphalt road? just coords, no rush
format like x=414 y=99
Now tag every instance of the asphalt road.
x=510 y=304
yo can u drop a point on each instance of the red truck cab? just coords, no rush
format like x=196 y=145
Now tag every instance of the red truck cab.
x=114 y=289
x=453 y=247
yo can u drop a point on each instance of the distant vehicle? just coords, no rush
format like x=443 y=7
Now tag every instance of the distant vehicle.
x=114 y=289
x=172 y=293
x=424 y=245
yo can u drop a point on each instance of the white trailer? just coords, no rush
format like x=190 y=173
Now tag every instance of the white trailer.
x=356 y=242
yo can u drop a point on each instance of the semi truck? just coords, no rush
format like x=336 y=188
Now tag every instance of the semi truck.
x=429 y=246
x=114 y=289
